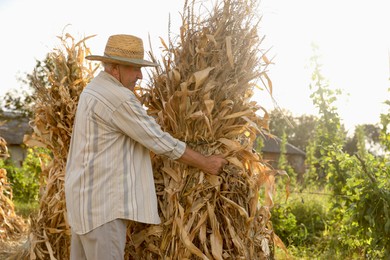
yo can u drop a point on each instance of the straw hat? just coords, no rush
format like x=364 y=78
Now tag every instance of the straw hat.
x=124 y=49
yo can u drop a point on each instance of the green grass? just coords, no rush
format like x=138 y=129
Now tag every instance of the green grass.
x=24 y=209
x=304 y=224
x=301 y=223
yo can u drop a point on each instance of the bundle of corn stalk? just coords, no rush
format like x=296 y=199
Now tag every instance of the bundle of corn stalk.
x=202 y=95
x=3 y=149
x=55 y=106
x=11 y=225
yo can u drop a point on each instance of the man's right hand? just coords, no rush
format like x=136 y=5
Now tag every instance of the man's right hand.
x=212 y=164
x=215 y=164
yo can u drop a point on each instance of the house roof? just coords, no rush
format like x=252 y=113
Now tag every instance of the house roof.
x=13 y=127
x=272 y=145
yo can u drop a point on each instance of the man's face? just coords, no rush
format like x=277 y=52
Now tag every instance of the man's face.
x=129 y=75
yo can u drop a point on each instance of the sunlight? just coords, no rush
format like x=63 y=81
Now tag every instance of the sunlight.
x=352 y=36
x=353 y=42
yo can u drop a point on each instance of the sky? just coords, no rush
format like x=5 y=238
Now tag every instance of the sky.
x=353 y=37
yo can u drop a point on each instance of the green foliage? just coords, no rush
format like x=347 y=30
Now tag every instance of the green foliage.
x=361 y=219
x=328 y=137
x=359 y=222
x=259 y=144
x=385 y=131
x=354 y=222
x=283 y=163
x=301 y=220
x=285 y=226
x=17 y=100
x=366 y=218
x=26 y=180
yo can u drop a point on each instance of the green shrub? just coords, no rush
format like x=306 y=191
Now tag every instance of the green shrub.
x=25 y=181
x=364 y=218
x=301 y=220
x=285 y=225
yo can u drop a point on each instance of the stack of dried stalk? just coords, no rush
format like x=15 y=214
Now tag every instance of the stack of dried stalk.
x=11 y=225
x=202 y=95
x=55 y=107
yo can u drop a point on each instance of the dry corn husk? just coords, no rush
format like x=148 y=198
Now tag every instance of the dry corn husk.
x=11 y=225
x=202 y=95
x=3 y=148
x=53 y=121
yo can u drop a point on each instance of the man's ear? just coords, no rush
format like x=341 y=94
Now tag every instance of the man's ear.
x=115 y=71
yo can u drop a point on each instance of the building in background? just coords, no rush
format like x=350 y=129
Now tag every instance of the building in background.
x=271 y=151
x=13 y=127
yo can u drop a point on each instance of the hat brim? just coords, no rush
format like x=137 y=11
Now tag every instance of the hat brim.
x=123 y=61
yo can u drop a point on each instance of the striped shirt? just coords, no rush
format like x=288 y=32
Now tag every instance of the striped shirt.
x=109 y=172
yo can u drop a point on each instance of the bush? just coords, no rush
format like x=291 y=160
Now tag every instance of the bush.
x=301 y=220
x=25 y=181
x=364 y=218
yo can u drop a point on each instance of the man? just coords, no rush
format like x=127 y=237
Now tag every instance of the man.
x=109 y=179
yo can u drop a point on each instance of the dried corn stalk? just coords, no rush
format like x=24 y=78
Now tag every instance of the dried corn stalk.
x=3 y=148
x=11 y=225
x=54 y=114
x=202 y=95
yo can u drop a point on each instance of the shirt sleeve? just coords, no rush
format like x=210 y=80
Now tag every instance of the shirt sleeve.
x=131 y=118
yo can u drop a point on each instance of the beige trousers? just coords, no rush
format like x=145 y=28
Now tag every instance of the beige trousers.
x=106 y=242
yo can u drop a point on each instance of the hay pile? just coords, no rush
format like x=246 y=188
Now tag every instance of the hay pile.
x=55 y=107
x=11 y=225
x=201 y=94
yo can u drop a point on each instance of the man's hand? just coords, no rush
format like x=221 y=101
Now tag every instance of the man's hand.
x=215 y=164
x=212 y=164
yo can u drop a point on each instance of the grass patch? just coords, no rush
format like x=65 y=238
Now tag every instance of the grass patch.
x=301 y=223
x=24 y=209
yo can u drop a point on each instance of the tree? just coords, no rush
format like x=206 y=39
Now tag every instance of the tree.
x=281 y=121
x=298 y=129
x=372 y=138
x=304 y=130
x=22 y=100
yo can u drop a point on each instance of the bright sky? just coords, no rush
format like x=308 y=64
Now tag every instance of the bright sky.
x=353 y=38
